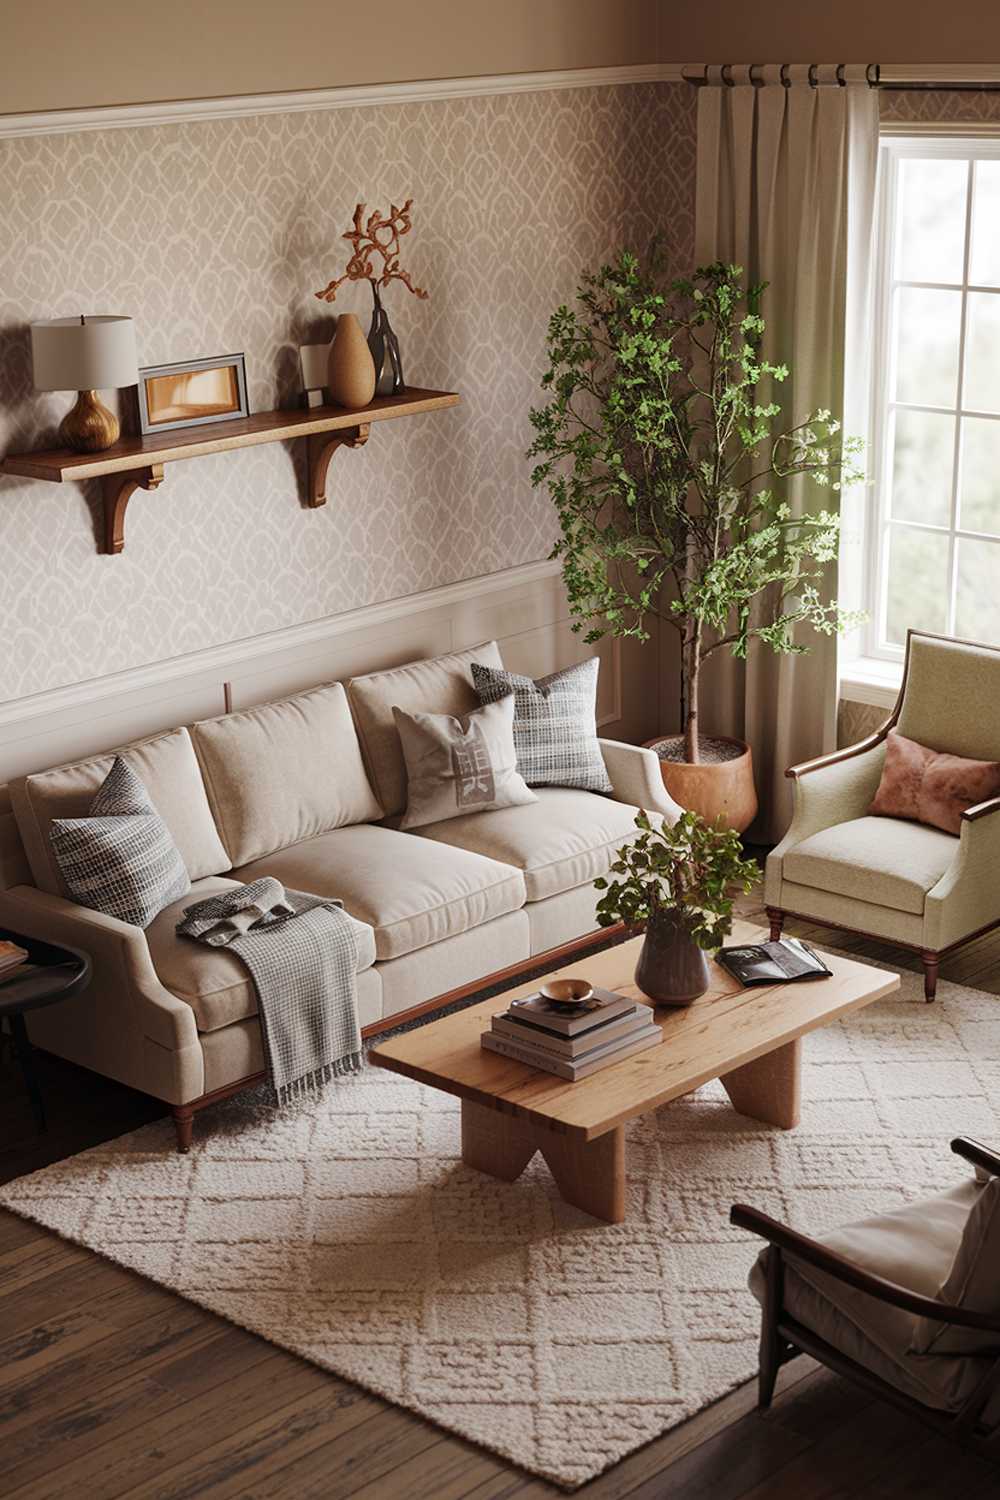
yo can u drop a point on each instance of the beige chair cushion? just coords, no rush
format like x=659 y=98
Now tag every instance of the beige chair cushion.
x=880 y=860
x=409 y=890
x=213 y=981
x=441 y=685
x=565 y=840
x=915 y=1247
x=973 y=1281
x=283 y=772
x=169 y=771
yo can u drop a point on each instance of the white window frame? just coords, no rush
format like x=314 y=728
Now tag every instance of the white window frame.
x=886 y=657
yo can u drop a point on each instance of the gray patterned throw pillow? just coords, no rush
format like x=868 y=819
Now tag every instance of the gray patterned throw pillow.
x=120 y=859
x=460 y=765
x=555 y=724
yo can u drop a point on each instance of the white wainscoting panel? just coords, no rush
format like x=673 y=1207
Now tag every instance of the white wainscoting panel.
x=523 y=608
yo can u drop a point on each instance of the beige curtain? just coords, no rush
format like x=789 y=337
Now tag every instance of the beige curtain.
x=786 y=188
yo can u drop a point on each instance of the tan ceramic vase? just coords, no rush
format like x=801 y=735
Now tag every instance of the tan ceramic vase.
x=350 y=369
x=714 y=789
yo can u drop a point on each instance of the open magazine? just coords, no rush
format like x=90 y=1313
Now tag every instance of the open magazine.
x=783 y=962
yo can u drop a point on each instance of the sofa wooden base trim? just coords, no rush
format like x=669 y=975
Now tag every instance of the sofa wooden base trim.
x=553 y=958
x=930 y=958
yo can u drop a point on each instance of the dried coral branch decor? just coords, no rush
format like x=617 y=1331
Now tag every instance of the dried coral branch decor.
x=375 y=259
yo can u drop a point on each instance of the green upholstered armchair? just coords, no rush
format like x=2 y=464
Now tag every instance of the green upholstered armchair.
x=906 y=1304
x=887 y=878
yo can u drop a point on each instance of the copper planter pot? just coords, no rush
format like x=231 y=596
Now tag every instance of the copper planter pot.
x=714 y=789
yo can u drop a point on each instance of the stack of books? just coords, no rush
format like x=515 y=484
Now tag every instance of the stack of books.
x=11 y=959
x=573 y=1043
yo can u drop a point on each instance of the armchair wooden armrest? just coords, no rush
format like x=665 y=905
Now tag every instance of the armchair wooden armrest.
x=839 y=1267
x=981 y=810
x=977 y=1154
x=835 y=756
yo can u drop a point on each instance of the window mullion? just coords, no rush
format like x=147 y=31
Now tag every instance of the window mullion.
x=960 y=405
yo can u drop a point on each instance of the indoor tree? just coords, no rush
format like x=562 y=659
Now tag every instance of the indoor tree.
x=670 y=473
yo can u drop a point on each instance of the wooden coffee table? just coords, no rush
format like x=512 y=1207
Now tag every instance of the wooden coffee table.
x=750 y=1039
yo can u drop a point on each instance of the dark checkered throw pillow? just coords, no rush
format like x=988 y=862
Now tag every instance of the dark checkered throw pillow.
x=555 y=729
x=120 y=859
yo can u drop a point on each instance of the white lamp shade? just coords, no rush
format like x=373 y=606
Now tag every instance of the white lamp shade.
x=94 y=355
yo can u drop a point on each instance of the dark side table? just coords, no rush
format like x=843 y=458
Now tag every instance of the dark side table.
x=56 y=974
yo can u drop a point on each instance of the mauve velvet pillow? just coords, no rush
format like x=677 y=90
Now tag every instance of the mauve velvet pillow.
x=930 y=787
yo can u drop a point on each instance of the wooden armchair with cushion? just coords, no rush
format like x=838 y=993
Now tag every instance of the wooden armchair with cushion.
x=907 y=1305
x=886 y=877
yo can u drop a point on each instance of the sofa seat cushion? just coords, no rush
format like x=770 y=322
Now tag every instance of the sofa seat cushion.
x=411 y=891
x=914 y=1247
x=564 y=840
x=213 y=981
x=881 y=860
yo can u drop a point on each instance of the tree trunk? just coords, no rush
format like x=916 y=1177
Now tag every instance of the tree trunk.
x=691 y=672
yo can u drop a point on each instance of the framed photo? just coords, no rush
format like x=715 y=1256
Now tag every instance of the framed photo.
x=192 y=392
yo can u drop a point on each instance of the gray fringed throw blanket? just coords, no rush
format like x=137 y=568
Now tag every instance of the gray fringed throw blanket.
x=302 y=955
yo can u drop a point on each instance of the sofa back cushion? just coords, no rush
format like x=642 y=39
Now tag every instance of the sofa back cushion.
x=440 y=685
x=167 y=767
x=284 y=772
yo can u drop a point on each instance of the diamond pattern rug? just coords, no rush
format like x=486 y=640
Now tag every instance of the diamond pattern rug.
x=348 y=1231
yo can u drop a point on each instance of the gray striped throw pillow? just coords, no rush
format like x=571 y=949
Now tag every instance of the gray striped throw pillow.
x=555 y=724
x=120 y=859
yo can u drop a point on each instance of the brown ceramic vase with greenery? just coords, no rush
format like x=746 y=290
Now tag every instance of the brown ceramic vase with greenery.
x=678 y=883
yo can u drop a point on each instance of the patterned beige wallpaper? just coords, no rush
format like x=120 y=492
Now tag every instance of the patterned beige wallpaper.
x=938 y=106
x=214 y=237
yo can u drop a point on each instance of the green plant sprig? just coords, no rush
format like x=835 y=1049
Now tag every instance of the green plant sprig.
x=691 y=867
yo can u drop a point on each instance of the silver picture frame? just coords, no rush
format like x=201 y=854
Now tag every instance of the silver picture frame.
x=234 y=407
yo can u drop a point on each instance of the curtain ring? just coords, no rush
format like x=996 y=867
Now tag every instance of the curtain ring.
x=842 y=81
x=813 y=80
x=873 y=74
x=726 y=73
x=786 y=82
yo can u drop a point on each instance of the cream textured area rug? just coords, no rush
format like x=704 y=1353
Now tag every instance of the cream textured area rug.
x=348 y=1231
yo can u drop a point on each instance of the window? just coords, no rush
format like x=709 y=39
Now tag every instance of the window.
x=934 y=538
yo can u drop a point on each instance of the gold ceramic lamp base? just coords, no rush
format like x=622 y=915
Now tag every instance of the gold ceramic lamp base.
x=89 y=427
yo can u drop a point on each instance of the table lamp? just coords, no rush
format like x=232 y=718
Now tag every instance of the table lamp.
x=86 y=355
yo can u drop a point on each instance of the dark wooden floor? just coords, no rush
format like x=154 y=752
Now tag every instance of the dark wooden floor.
x=110 y=1386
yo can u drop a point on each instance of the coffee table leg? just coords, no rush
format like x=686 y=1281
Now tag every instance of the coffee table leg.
x=588 y=1174
x=493 y=1142
x=770 y=1087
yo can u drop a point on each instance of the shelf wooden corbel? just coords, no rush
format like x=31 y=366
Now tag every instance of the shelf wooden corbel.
x=138 y=463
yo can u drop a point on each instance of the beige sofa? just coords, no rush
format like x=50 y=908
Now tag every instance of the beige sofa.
x=309 y=790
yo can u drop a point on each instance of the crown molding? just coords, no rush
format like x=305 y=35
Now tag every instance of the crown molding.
x=217 y=660
x=353 y=96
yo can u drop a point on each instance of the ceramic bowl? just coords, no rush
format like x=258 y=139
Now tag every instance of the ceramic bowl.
x=567 y=993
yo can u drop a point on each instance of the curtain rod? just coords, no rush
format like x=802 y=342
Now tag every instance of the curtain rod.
x=826 y=74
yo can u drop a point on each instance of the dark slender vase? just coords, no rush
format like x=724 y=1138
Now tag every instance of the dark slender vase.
x=384 y=347
x=672 y=969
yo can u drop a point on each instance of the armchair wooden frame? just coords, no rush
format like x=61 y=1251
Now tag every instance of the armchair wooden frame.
x=930 y=959
x=783 y=1338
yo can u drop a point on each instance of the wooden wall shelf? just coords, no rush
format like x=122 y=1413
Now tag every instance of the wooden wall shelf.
x=137 y=462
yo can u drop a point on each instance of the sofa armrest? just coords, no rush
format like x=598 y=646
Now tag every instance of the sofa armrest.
x=635 y=776
x=122 y=968
x=834 y=789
